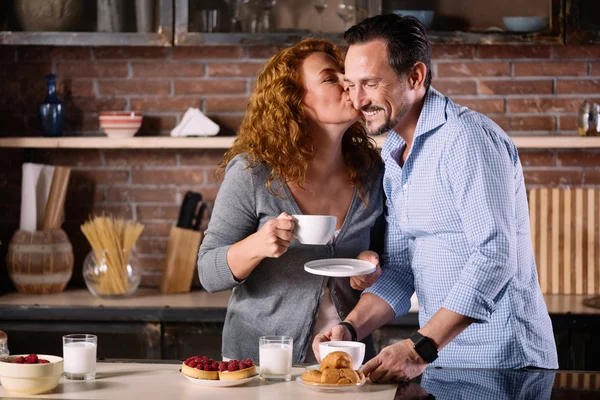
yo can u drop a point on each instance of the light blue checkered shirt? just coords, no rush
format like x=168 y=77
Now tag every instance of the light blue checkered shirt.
x=458 y=235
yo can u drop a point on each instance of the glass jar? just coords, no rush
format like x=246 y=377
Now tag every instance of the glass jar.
x=112 y=276
x=4 y=353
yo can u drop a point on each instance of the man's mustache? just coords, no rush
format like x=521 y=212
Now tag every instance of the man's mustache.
x=370 y=108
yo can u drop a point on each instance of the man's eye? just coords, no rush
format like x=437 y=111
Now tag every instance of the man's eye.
x=371 y=85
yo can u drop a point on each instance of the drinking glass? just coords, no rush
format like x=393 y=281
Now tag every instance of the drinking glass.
x=79 y=356
x=275 y=358
x=346 y=10
x=320 y=6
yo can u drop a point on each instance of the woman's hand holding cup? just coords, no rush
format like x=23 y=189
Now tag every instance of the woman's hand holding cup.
x=274 y=238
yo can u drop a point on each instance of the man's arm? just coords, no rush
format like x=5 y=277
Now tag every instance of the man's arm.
x=370 y=313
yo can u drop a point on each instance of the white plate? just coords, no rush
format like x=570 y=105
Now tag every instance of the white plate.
x=339 y=267
x=218 y=383
x=330 y=388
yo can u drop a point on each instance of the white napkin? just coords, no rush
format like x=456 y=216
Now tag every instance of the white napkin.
x=37 y=179
x=194 y=123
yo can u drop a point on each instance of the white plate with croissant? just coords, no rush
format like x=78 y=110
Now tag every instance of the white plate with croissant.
x=335 y=373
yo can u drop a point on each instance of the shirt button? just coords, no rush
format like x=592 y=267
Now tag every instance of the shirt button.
x=342 y=314
x=405 y=186
x=333 y=291
x=404 y=219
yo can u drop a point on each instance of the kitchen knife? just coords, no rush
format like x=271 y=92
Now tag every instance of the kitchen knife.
x=187 y=211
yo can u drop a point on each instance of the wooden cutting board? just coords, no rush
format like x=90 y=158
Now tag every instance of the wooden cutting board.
x=565 y=231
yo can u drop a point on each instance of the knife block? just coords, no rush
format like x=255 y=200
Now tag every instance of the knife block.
x=182 y=254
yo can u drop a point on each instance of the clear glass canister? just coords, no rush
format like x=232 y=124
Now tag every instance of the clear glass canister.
x=3 y=345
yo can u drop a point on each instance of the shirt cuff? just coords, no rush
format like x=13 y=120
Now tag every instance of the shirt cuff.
x=389 y=293
x=468 y=301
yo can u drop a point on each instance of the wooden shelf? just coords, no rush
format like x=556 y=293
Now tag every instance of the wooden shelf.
x=224 y=142
x=102 y=142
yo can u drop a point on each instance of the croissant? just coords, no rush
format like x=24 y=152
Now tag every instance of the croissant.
x=336 y=359
x=341 y=376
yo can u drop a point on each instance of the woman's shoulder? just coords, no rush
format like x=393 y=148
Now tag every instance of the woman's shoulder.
x=241 y=166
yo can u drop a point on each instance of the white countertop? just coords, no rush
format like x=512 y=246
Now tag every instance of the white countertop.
x=164 y=381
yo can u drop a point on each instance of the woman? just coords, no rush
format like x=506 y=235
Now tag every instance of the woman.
x=299 y=150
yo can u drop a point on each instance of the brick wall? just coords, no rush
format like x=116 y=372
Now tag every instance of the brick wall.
x=528 y=90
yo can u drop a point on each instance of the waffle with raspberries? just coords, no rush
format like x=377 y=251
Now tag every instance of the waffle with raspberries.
x=202 y=367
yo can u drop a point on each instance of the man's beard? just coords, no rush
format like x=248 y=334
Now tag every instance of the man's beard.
x=386 y=127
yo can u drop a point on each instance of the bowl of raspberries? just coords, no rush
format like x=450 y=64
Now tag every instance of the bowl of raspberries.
x=30 y=373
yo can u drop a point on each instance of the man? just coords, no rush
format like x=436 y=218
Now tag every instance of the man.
x=458 y=223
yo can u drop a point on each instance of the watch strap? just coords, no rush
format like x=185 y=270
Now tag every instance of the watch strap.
x=353 y=334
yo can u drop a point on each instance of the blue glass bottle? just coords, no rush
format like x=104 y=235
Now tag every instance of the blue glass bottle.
x=51 y=110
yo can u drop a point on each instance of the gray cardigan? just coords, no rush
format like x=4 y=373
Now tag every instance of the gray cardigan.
x=279 y=297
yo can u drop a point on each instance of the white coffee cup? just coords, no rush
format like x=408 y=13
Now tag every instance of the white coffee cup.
x=355 y=349
x=314 y=229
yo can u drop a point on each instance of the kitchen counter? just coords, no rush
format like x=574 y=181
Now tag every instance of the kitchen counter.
x=161 y=381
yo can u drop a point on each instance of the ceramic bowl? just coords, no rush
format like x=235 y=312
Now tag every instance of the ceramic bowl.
x=30 y=378
x=424 y=16
x=120 y=124
x=355 y=349
x=525 y=24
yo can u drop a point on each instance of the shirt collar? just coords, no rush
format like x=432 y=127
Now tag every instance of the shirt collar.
x=433 y=114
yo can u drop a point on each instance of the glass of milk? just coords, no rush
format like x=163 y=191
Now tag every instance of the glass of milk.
x=79 y=356
x=275 y=358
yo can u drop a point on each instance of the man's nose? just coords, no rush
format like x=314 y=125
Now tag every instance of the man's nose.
x=358 y=98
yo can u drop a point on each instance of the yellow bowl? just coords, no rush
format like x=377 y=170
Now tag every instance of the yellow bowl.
x=30 y=378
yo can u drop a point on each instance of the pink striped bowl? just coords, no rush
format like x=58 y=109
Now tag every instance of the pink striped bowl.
x=120 y=124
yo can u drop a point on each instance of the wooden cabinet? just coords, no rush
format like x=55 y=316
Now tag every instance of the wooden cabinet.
x=583 y=21
x=242 y=22
x=140 y=340
x=87 y=33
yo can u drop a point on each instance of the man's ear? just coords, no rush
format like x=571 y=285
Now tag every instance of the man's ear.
x=417 y=75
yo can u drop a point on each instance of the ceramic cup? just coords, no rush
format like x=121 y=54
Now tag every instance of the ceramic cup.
x=355 y=349
x=314 y=229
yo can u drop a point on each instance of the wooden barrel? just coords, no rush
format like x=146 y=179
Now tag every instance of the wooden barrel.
x=41 y=261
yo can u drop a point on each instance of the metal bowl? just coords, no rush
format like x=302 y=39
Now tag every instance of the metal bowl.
x=525 y=24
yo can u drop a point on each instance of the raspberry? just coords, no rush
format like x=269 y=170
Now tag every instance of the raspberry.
x=223 y=366
x=187 y=360
x=208 y=368
x=42 y=361
x=232 y=366
x=249 y=363
x=214 y=365
x=192 y=364
x=200 y=366
x=204 y=359
x=243 y=365
x=20 y=360
x=31 y=359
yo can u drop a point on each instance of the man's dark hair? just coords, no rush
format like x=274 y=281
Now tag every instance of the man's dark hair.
x=405 y=37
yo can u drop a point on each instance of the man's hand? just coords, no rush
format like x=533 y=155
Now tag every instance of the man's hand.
x=397 y=362
x=364 y=281
x=338 y=332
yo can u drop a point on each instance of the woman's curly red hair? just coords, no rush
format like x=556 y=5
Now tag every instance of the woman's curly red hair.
x=275 y=128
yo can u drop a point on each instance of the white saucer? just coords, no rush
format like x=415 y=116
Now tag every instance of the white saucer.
x=218 y=383
x=339 y=267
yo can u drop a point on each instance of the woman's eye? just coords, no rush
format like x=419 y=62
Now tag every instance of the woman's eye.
x=330 y=79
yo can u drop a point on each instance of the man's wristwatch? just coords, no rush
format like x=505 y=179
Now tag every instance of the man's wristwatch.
x=424 y=347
